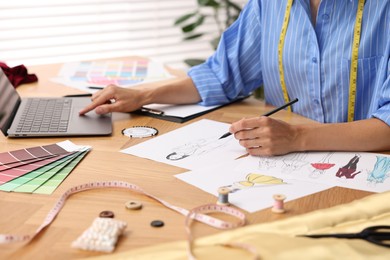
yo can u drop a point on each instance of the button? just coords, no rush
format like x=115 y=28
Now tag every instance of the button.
x=314 y=60
x=133 y=205
x=157 y=223
x=106 y=214
x=325 y=17
x=316 y=101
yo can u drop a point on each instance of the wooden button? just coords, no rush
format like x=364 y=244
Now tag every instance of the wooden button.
x=157 y=223
x=133 y=205
x=106 y=214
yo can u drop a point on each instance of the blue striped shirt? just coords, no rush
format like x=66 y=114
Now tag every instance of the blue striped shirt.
x=316 y=59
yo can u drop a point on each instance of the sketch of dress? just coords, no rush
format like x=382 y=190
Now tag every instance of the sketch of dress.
x=252 y=179
x=196 y=148
x=349 y=170
x=267 y=163
x=294 y=162
x=381 y=170
x=321 y=166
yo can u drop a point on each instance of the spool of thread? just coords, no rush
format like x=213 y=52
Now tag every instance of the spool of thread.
x=223 y=196
x=279 y=203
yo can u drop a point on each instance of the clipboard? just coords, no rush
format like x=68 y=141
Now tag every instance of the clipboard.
x=179 y=113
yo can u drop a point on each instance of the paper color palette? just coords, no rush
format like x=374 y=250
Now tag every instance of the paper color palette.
x=39 y=169
x=122 y=73
x=51 y=184
x=49 y=180
x=10 y=174
x=30 y=153
x=90 y=76
x=13 y=184
x=17 y=164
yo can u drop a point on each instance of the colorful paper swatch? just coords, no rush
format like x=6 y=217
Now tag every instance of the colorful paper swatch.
x=90 y=76
x=123 y=73
x=10 y=174
x=39 y=169
x=13 y=184
x=30 y=153
x=17 y=164
x=50 y=185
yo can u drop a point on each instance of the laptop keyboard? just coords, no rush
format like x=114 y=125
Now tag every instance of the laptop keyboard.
x=45 y=115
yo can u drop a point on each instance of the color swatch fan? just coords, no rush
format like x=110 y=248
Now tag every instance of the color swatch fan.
x=39 y=169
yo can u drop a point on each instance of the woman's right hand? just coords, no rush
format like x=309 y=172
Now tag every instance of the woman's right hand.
x=114 y=99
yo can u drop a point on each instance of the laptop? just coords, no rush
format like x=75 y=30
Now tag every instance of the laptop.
x=47 y=117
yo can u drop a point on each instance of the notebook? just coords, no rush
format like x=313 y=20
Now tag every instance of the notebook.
x=35 y=117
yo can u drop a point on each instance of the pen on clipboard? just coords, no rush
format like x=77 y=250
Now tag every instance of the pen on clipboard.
x=152 y=111
x=267 y=114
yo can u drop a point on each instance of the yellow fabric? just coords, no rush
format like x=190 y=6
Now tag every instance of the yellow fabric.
x=277 y=240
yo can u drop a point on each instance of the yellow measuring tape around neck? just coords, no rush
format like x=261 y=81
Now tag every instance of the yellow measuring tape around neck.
x=354 y=56
x=280 y=51
x=354 y=61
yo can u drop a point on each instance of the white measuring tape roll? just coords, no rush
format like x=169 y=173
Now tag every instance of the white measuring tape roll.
x=196 y=213
x=140 y=131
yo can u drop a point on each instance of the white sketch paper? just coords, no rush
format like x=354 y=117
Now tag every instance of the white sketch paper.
x=253 y=180
x=192 y=146
x=363 y=171
x=250 y=187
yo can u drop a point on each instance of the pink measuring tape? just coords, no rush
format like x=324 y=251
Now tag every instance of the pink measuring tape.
x=196 y=213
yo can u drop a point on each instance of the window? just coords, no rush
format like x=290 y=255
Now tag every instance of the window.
x=47 y=31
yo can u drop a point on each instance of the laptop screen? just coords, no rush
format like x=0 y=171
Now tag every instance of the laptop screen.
x=9 y=102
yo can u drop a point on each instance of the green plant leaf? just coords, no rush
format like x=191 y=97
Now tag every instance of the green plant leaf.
x=232 y=10
x=184 y=18
x=259 y=93
x=233 y=5
x=193 y=36
x=193 y=62
x=211 y=3
x=234 y=17
x=214 y=42
x=190 y=27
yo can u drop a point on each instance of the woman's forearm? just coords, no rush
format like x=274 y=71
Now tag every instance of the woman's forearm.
x=363 y=135
x=180 y=91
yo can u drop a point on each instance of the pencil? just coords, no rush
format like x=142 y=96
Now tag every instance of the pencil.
x=95 y=87
x=267 y=114
x=79 y=95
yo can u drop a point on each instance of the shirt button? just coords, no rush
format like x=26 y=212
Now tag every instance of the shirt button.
x=316 y=101
x=314 y=60
x=325 y=17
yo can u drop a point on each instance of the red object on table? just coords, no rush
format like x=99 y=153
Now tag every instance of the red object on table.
x=18 y=75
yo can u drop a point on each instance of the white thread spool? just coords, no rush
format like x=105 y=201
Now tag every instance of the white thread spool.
x=223 y=196
x=279 y=203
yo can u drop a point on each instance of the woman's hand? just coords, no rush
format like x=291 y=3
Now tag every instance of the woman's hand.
x=114 y=99
x=265 y=136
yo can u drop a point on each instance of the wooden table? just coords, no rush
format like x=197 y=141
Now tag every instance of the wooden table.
x=23 y=213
